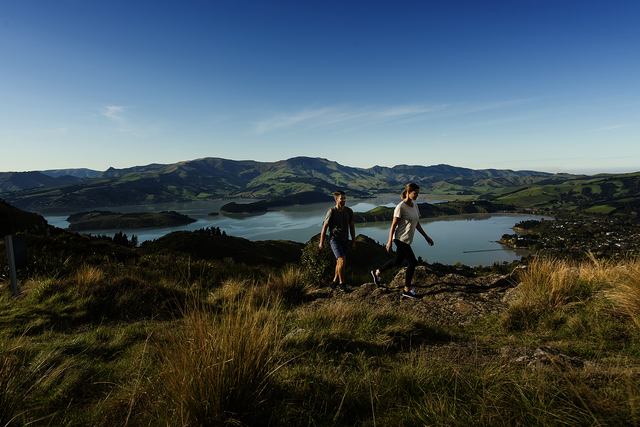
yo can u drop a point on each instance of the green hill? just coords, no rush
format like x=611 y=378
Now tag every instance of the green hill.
x=600 y=194
x=215 y=178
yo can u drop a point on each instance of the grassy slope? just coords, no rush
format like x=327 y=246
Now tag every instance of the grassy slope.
x=219 y=178
x=105 y=336
x=596 y=194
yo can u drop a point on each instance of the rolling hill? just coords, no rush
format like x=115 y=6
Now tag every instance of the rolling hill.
x=216 y=178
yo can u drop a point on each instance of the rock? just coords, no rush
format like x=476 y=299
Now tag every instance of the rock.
x=544 y=357
x=512 y=294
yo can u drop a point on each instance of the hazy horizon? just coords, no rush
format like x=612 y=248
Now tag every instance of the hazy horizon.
x=578 y=172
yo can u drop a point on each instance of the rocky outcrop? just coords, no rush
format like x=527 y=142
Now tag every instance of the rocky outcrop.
x=447 y=300
x=454 y=300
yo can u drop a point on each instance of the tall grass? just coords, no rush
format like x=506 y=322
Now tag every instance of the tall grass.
x=86 y=358
x=288 y=286
x=21 y=378
x=218 y=366
x=626 y=289
x=551 y=285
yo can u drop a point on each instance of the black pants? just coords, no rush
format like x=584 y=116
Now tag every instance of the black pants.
x=403 y=251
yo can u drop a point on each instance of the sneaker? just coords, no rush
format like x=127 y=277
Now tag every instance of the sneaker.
x=411 y=294
x=333 y=285
x=376 y=279
x=342 y=287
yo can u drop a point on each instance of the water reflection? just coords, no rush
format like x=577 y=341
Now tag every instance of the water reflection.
x=470 y=239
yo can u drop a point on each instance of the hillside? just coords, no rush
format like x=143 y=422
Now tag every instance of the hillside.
x=215 y=178
x=19 y=181
x=14 y=220
x=78 y=172
x=108 y=335
x=599 y=195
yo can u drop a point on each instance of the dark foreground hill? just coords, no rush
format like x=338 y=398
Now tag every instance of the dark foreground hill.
x=14 y=220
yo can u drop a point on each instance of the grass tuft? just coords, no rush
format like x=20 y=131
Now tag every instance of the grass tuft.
x=218 y=366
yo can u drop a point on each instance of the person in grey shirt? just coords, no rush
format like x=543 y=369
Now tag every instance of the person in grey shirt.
x=339 y=221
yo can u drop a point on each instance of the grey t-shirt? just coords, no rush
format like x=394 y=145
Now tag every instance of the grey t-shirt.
x=339 y=223
x=407 y=221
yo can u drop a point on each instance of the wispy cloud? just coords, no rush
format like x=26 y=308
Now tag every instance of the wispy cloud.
x=346 y=118
x=114 y=112
x=117 y=114
x=339 y=118
x=613 y=127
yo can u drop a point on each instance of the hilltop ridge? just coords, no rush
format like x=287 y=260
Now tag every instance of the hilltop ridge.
x=217 y=178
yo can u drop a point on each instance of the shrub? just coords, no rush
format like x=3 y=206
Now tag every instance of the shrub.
x=319 y=265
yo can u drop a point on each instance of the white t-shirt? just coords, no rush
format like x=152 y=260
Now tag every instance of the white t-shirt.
x=407 y=223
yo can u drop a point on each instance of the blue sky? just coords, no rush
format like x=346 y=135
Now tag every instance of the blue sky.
x=537 y=85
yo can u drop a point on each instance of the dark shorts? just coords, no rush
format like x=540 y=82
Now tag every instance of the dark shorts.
x=339 y=247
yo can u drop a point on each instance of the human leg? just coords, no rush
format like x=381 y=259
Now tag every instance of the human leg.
x=407 y=253
x=340 y=267
x=339 y=250
x=397 y=260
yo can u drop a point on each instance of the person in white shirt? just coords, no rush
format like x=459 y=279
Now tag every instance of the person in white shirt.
x=405 y=223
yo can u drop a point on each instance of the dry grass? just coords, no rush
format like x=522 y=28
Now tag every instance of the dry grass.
x=626 y=288
x=555 y=283
x=288 y=286
x=217 y=366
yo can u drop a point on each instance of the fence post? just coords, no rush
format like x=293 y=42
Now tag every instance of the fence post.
x=17 y=257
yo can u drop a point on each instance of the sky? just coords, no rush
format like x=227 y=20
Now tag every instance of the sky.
x=549 y=86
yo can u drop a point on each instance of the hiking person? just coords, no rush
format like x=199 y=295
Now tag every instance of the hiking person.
x=404 y=225
x=339 y=221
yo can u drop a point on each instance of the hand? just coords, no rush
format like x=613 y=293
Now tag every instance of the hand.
x=389 y=247
x=429 y=240
x=320 y=245
x=353 y=245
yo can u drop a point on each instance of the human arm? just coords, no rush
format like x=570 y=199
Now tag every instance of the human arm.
x=352 y=229
x=392 y=230
x=324 y=231
x=421 y=231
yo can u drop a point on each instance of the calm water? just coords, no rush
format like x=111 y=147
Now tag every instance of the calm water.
x=470 y=239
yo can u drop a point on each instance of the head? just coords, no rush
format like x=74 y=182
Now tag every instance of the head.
x=409 y=189
x=340 y=197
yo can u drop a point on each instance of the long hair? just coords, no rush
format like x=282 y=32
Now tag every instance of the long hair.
x=408 y=189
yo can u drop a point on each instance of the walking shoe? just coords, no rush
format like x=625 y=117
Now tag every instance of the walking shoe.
x=342 y=287
x=411 y=294
x=333 y=285
x=376 y=279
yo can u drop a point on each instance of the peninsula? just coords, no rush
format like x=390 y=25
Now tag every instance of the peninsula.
x=103 y=220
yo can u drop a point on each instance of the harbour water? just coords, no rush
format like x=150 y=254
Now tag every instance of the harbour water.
x=470 y=239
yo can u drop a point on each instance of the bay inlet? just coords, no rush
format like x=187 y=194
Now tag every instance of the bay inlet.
x=470 y=239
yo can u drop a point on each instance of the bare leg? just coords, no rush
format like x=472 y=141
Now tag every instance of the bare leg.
x=340 y=267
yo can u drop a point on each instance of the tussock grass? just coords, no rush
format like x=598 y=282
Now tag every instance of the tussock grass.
x=24 y=374
x=15 y=382
x=218 y=366
x=108 y=340
x=626 y=289
x=551 y=289
x=288 y=286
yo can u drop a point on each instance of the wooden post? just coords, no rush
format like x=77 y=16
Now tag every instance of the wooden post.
x=17 y=257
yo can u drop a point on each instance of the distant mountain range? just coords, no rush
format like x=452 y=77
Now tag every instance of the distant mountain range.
x=78 y=173
x=217 y=178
